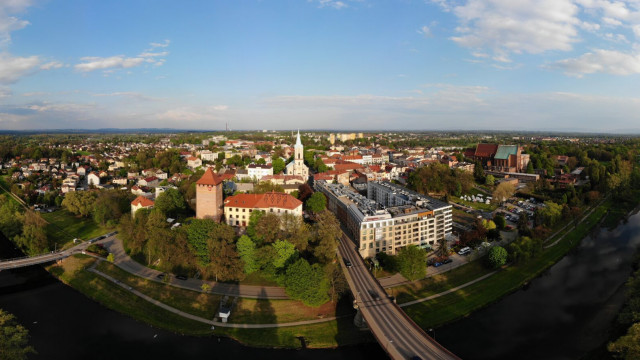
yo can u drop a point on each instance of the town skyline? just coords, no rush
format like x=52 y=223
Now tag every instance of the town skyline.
x=567 y=66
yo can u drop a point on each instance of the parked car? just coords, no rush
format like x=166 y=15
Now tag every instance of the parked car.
x=464 y=251
x=181 y=277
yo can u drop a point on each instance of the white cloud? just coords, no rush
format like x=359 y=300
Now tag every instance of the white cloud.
x=163 y=44
x=51 y=65
x=109 y=64
x=600 y=61
x=425 y=31
x=9 y=23
x=12 y=68
x=153 y=54
x=506 y=26
x=91 y=63
x=611 y=21
x=220 y=107
x=332 y=3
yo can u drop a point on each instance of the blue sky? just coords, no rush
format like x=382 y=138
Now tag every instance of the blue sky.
x=351 y=64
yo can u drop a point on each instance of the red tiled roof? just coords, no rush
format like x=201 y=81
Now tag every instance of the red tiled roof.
x=262 y=201
x=209 y=178
x=141 y=200
x=486 y=150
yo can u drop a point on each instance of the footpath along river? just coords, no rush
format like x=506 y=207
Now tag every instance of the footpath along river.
x=567 y=313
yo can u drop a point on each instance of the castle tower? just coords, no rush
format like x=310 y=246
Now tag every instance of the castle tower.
x=209 y=196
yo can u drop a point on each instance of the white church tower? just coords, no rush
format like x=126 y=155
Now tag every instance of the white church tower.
x=297 y=166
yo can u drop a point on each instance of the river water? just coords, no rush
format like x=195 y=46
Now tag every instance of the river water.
x=566 y=313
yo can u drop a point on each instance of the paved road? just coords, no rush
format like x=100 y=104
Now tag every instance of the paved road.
x=41 y=259
x=126 y=263
x=395 y=331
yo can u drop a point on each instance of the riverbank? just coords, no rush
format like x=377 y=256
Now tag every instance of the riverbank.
x=459 y=304
x=333 y=333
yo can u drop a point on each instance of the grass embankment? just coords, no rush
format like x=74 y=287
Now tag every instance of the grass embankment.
x=462 y=302
x=63 y=227
x=329 y=334
x=246 y=311
x=72 y=273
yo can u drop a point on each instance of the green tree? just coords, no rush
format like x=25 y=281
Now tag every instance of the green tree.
x=489 y=180
x=326 y=234
x=80 y=202
x=225 y=262
x=497 y=257
x=285 y=253
x=530 y=169
x=247 y=251
x=412 y=261
x=307 y=283
x=14 y=338
x=33 y=238
x=500 y=222
x=488 y=224
x=503 y=191
x=267 y=228
x=171 y=203
x=110 y=258
x=197 y=236
x=295 y=230
x=278 y=165
x=317 y=202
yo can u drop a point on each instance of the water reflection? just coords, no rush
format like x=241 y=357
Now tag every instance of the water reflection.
x=563 y=314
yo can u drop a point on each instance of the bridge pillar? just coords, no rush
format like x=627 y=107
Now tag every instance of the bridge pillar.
x=359 y=320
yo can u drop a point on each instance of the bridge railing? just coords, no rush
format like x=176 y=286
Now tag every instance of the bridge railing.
x=31 y=257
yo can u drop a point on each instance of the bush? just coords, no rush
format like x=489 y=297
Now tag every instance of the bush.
x=98 y=250
x=497 y=257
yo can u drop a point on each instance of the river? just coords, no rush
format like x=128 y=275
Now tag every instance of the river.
x=567 y=313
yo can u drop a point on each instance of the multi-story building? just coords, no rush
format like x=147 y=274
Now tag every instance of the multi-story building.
x=238 y=208
x=208 y=155
x=257 y=171
x=390 y=219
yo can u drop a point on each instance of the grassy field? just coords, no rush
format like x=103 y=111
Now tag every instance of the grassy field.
x=439 y=283
x=256 y=278
x=329 y=334
x=246 y=311
x=64 y=227
x=461 y=303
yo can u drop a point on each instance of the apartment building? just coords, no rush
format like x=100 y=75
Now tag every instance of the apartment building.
x=391 y=218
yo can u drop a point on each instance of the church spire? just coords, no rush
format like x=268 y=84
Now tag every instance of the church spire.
x=298 y=142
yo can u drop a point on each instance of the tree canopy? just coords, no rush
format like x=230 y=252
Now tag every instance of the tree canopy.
x=14 y=338
x=412 y=261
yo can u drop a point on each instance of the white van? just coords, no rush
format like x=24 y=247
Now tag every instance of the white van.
x=464 y=251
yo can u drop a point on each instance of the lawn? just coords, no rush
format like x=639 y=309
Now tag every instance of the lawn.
x=329 y=334
x=64 y=227
x=461 y=303
x=256 y=278
x=439 y=283
x=247 y=311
